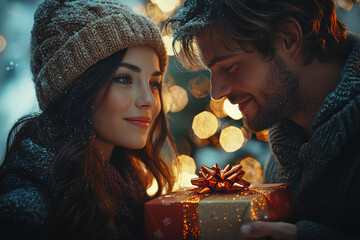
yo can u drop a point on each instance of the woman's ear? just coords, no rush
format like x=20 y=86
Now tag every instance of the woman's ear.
x=290 y=38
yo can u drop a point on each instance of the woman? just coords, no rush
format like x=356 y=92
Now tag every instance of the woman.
x=80 y=168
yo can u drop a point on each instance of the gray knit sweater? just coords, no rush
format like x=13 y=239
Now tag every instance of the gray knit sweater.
x=324 y=169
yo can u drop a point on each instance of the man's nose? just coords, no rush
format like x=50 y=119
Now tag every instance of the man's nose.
x=219 y=87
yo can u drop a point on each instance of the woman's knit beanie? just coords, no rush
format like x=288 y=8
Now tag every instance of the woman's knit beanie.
x=68 y=37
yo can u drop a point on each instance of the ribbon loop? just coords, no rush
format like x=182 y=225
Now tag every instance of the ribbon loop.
x=216 y=180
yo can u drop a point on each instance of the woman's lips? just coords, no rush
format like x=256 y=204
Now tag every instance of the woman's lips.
x=243 y=105
x=142 y=122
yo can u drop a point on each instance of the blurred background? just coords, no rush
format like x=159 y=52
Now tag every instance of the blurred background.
x=205 y=131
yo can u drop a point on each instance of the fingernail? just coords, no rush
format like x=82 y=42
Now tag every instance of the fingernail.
x=246 y=228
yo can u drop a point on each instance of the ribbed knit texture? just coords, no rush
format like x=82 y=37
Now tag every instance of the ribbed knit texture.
x=324 y=170
x=69 y=37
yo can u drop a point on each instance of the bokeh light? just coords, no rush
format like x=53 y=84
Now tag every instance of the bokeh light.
x=185 y=173
x=231 y=139
x=346 y=4
x=205 y=124
x=179 y=98
x=166 y=5
x=168 y=45
x=232 y=110
x=2 y=43
x=217 y=107
x=253 y=170
x=263 y=135
x=199 y=86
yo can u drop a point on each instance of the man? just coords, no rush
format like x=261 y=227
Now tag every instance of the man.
x=292 y=68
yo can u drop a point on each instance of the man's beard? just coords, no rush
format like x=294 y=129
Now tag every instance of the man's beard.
x=278 y=99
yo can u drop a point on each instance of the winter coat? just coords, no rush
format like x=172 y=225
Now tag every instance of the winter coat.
x=28 y=199
x=324 y=169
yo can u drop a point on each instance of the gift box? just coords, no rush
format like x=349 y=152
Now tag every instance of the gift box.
x=189 y=214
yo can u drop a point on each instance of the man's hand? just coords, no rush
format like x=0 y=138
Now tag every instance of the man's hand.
x=275 y=230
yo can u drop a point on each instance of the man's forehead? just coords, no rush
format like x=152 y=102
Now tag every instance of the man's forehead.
x=211 y=49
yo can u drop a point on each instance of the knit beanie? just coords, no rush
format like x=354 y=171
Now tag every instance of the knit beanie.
x=68 y=37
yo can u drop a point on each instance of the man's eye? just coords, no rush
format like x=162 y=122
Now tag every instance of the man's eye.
x=232 y=68
x=124 y=79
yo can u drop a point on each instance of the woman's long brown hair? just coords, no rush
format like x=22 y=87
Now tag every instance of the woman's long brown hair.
x=65 y=129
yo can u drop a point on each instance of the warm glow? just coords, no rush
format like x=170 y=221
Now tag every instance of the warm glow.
x=217 y=107
x=205 y=124
x=346 y=4
x=2 y=43
x=232 y=110
x=187 y=164
x=168 y=45
x=231 y=139
x=263 y=135
x=166 y=5
x=186 y=173
x=153 y=188
x=199 y=86
x=166 y=97
x=179 y=98
x=253 y=170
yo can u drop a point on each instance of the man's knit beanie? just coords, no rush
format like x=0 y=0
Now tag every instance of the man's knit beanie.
x=68 y=37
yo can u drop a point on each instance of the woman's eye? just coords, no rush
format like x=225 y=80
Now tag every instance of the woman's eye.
x=124 y=79
x=155 y=85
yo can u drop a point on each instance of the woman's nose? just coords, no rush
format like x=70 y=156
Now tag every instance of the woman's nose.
x=146 y=97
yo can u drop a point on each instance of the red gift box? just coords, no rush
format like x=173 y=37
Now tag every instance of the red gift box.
x=185 y=214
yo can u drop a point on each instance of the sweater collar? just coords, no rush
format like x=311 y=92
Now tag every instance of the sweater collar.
x=336 y=121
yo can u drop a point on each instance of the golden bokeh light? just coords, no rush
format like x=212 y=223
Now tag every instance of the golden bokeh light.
x=263 y=135
x=168 y=44
x=232 y=110
x=345 y=4
x=153 y=188
x=166 y=5
x=185 y=173
x=187 y=164
x=231 y=139
x=2 y=43
x=205 y=124
x=179 y=98
x=253 y=170
x=166 y=98
x=217 y=107
x=155 y=13
x=199 y=86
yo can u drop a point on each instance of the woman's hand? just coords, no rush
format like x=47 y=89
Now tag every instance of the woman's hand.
x=274 y=230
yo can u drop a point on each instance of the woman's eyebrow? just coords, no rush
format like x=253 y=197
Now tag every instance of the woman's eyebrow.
x=131 y=67
x=137 y=69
